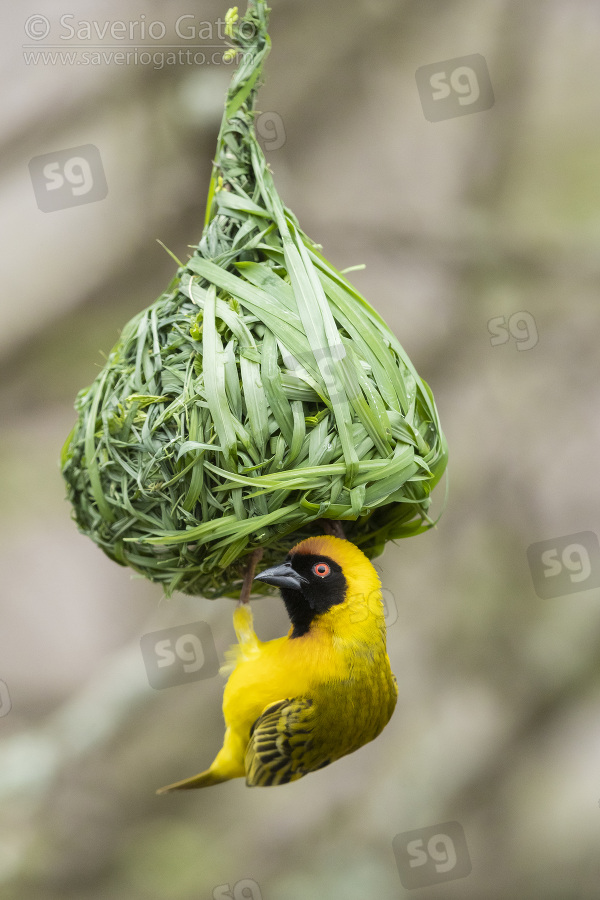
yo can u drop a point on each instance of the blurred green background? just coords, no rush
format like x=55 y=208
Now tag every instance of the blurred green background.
x=480 y=236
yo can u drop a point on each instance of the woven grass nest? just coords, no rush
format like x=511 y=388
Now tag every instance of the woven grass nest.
x=259 y=396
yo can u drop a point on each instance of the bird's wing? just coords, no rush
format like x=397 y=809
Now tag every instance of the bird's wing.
x=280 y=743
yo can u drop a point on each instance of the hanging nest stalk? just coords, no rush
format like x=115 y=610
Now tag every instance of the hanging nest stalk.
x=257 y=395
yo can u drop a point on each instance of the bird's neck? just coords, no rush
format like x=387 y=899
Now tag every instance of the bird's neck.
x=301 y=614
x=359 y=621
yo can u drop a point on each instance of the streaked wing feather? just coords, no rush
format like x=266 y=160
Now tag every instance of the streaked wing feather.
x=280 y=743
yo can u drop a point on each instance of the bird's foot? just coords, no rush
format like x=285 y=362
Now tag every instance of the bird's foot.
x=253 y=561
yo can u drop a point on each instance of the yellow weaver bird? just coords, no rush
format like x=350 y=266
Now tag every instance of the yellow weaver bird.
x=297 y=703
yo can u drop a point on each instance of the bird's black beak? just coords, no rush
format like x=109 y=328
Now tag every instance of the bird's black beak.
x=282 y=575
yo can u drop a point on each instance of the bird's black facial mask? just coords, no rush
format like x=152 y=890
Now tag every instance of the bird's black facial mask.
x=310 y=585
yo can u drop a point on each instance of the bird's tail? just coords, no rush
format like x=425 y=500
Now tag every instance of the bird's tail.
x=204 y=779
x=227 y=764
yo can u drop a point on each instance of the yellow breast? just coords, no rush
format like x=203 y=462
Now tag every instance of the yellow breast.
x=341 y=662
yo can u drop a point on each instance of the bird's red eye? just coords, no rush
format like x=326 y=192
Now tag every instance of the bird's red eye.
x=321 y=569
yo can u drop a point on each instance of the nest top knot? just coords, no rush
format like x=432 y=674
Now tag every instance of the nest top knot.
x=258 y=394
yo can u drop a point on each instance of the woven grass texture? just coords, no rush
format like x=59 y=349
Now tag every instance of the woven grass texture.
x=257 y=396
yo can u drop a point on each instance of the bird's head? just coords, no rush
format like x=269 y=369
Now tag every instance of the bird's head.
x=321 y=573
